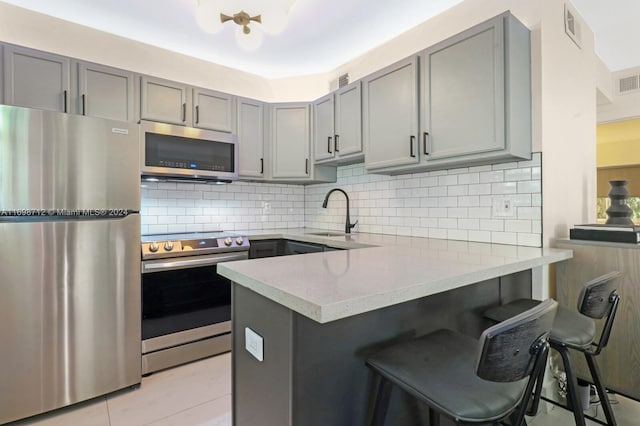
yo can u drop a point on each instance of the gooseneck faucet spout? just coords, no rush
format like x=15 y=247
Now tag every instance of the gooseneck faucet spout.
x=348 y=225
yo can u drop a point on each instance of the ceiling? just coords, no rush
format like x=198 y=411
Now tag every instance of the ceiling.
x=321 y=34
x=616 y=26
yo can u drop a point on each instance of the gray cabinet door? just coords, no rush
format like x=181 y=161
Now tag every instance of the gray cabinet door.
x=163 y=101
x=36 y=79
x=251 y=138
x=290 y=137
x=348 y=125
x=213 y=110
x=323 y=128
x=105 y=92
x=390 y=115
x=463 y=104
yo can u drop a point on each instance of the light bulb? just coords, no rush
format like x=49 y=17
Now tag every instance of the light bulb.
x=250 y=41
x=208 y=15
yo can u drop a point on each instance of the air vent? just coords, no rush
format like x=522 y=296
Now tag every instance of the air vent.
x=343 y=80
x=628 y=84
x=572 y=25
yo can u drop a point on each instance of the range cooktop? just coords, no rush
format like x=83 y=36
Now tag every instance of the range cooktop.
x=191 y=244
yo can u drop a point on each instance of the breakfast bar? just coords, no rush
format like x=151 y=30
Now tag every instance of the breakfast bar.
x=304 y=325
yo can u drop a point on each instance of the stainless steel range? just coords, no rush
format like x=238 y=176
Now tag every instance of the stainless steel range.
x=186 y=305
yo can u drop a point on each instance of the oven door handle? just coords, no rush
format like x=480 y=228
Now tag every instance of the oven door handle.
x=154 y=266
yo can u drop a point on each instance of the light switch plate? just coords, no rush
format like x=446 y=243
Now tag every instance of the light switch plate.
x=254 y=344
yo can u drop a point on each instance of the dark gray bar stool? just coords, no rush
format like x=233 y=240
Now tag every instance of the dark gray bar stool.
x=571 y=330
x=469 y=380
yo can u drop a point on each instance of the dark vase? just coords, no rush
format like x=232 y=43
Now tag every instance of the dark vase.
x=619 y=213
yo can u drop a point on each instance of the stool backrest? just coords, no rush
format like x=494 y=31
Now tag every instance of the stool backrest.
x=595 y=299
x=509 y=350
x=598 y=299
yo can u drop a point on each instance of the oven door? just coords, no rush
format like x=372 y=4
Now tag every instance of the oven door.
x=185 y=300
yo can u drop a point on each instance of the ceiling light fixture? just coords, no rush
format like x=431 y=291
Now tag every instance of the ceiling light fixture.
x=253 y=17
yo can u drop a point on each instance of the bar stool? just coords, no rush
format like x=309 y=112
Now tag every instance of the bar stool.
x=571 y=330
x=469 y=380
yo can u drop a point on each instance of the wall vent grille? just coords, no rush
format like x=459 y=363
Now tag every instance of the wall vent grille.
x=572 y=25
x=343 y=80
x=629 y=84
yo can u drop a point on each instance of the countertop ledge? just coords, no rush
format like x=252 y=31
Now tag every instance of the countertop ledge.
x=385 y=271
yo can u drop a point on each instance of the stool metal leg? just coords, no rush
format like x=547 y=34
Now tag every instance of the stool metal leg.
x=382 y=395
x=572 y=386
x=602 y=393
x=434 y=417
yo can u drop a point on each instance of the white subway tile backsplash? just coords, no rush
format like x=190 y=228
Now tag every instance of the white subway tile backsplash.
x=493 y=176
x=504 y=238
x=480 y=189
x=529 y=186
x=504 y=188
x=517 y=226
x=491 y=225
x=467 y=178
x=451 y=204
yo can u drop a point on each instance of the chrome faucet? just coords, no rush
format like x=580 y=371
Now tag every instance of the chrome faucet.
x=348 y=225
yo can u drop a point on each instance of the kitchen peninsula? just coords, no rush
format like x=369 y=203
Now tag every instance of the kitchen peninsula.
x=312 y=320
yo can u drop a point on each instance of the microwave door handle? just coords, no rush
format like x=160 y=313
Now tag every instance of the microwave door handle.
x=192 y=263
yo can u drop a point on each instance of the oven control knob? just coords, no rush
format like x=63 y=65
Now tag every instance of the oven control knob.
x=228 y=241
x=153 y=247
x=168 y=246
x=239 y=241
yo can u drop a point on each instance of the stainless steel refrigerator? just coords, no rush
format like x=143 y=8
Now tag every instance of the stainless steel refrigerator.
x=69 y=259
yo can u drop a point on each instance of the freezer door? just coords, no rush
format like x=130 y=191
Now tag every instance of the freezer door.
x=70 y=312
x=51 y=160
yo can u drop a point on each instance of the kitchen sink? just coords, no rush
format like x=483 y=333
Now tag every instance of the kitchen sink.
x=327 y=234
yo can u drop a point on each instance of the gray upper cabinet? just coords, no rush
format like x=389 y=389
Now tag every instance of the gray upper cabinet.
x=390 y=115
x=251 y=138
x=290 y=140
x=337 y=123
x=105 y=92
x=36 y=79
x=164 y=101
x=213 y=110
x=323 y=128
x=476 y=101
x=348 y=123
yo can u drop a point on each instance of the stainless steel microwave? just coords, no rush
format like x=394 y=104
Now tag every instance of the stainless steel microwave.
x=178 y=152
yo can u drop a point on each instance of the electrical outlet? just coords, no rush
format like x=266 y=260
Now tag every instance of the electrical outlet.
x=254 y=344
x=503 y=207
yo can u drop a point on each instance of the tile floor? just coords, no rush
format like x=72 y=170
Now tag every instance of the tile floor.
x=199 y=394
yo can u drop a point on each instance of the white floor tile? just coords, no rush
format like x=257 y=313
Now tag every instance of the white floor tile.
x=172 y=391
x=214 y=413
x=92 y=413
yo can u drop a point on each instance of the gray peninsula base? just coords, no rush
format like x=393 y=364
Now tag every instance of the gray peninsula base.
x=314 y=374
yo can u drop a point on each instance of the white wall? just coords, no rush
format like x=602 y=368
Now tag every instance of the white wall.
x=568 y=125
x=621 y=107
x=604 y=82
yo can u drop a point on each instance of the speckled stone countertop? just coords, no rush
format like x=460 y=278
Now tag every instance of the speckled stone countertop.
x=383 y=270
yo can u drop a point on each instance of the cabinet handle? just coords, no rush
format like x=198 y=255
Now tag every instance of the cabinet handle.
x=335 y=145
x=197 y=114
x=84 y=105
x=424 y=142
x=64 y=101
x=184 y=112
x=329 y=144
x=306 y=166
x=412 y=139
x=261 y=165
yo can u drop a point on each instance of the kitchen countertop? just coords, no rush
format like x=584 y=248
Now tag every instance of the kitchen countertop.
x=383 y=270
